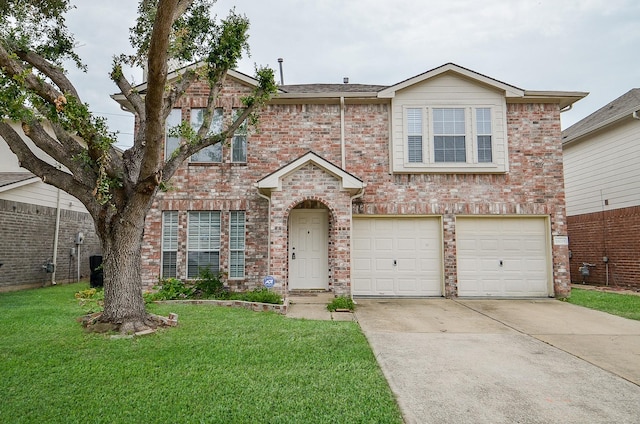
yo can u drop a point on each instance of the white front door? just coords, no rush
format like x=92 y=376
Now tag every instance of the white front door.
x=308 y=249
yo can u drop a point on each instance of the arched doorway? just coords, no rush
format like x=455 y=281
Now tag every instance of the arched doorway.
x=309 y=247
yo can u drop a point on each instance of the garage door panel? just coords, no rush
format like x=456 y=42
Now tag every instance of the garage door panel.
x=520 y=243
x=407 y=257
x=383 y=265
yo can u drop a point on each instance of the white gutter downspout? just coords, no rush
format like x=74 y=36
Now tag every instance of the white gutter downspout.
x=342 y=141
x=56 y=236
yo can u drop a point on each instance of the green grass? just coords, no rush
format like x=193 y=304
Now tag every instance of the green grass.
x=218 y=366
x=624 y=305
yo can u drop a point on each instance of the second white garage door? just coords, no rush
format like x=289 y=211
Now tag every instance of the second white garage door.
x=396 y=257
x=504 y=257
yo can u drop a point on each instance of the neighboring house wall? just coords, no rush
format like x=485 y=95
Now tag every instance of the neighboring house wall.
x=288 y=129
x=28 y=211
x=27 y=244
x=602 y=179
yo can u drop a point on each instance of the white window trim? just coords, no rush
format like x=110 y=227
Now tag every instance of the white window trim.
x=471 y=141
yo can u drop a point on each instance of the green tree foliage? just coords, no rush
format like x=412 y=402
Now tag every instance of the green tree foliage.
x=117 y=188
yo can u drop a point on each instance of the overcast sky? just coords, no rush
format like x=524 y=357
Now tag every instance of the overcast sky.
x=567 y=45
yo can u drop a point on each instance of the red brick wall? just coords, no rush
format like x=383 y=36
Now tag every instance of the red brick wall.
x=533 y=186
x=613 y=233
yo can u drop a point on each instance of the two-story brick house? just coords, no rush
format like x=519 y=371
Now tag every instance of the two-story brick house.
x=449 y=183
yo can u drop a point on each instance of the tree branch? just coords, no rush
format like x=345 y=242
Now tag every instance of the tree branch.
x=51 y=71
x=128 y=91
x=154 y=99
x=47 y=172
x=13 y=68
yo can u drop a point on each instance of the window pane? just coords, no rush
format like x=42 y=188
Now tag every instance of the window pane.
x=169 y=264
x=209 y=153
x=239 y=148
x=449 y=149
x=483 y=118
x=202 y=260
x=171 y=143
x=449 y=121
x=484 y=149
x=169 y=243
x=414 y=149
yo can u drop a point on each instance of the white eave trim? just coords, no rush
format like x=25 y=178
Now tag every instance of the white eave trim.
x=273 y=181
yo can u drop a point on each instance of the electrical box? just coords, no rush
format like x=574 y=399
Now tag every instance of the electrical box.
x=80 y=238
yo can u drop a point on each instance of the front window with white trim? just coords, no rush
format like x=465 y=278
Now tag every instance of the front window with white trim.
x=203 y=242
x=236 y=244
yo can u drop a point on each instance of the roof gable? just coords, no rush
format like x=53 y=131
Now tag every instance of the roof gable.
x=622 y=107
x=510 y=90
x=273 y=181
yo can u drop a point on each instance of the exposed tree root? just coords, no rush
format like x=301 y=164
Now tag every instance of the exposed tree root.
x=94 y=323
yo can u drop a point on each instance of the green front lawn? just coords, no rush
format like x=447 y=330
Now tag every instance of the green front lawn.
x=218 y=366
x=624 y=305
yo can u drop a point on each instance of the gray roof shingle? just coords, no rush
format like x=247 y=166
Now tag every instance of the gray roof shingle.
x=8 y=178
x=331 y=88
x=617 y=109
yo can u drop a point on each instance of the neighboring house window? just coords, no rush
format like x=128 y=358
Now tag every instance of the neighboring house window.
x=414 y=135
x=169 y=243
x=449 y=135
x=210 y=153
x=483 y=129
x=203 y=244
x=236 y=244
x=239 y=142
x=172 y=143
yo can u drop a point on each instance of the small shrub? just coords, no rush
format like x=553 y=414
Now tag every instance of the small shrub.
x=341 y=302
x=261 y=295
x=91 y=300
x=171 y=289
x=209 y=284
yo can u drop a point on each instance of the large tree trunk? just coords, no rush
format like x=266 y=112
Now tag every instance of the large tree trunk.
x=122 y=245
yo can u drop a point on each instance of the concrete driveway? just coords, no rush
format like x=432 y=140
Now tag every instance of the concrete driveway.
x=505 y=361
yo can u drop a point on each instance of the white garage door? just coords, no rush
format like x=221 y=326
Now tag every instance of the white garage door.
x=396 y=257
x=506 y=257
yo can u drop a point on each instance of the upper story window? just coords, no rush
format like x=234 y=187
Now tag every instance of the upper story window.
x=239 y=142
x=450 y=139
x=414 y=135
x=209 y=153
x=214 y=153
x=483 y=125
